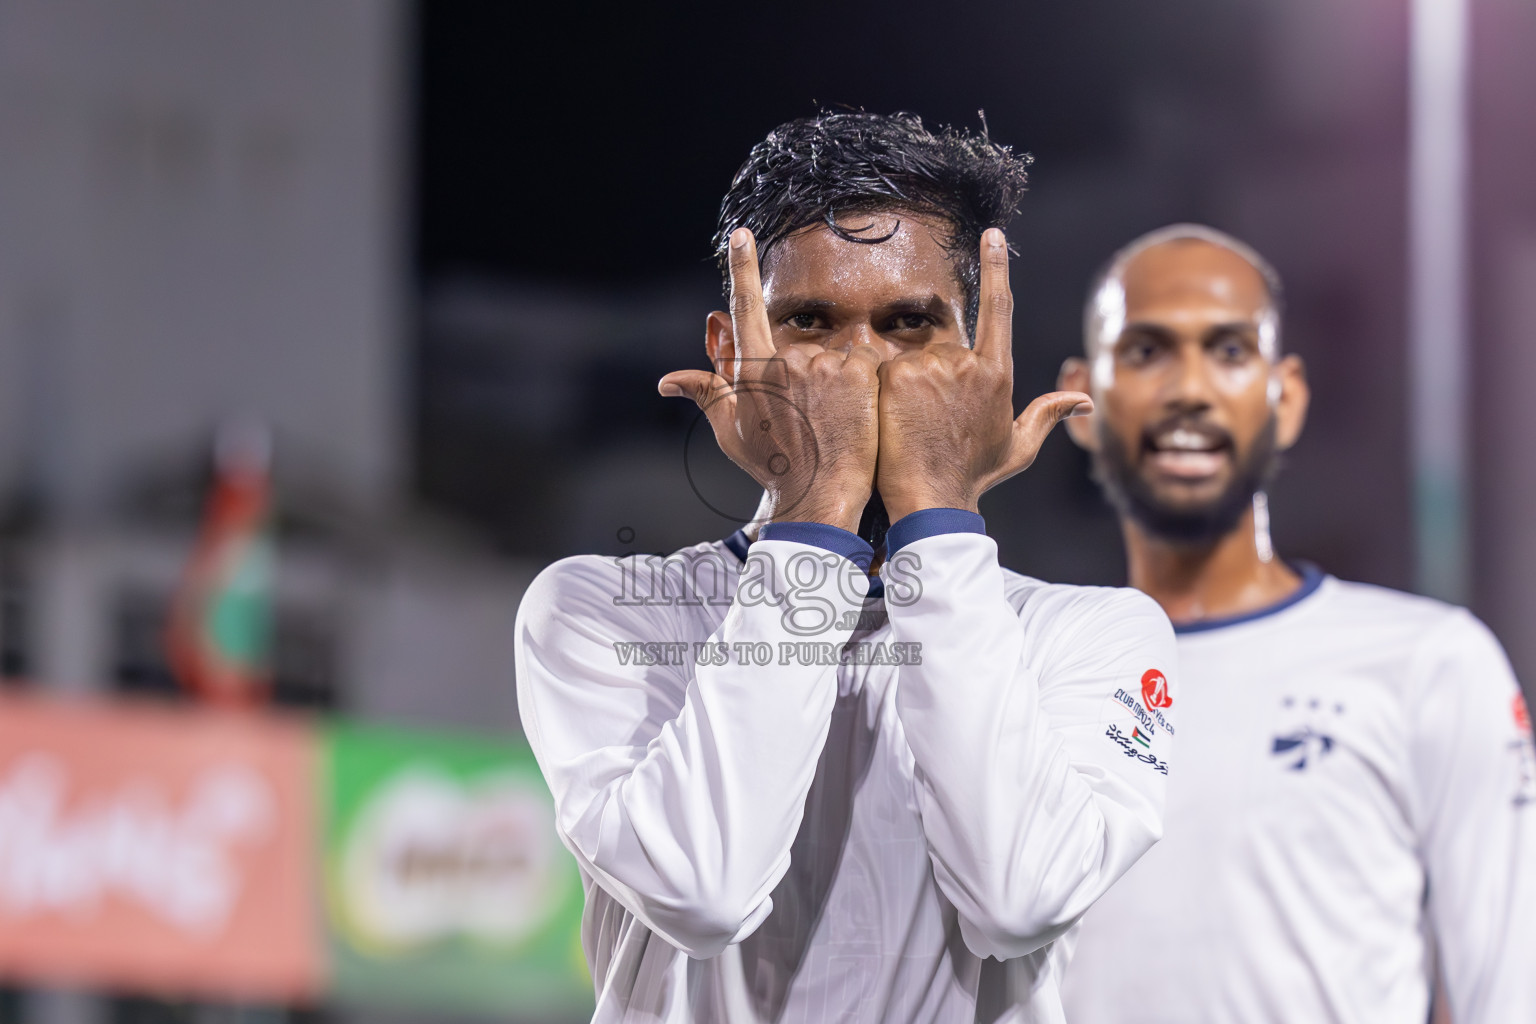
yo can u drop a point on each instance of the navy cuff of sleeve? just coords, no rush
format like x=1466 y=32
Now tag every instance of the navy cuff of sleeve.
x=930 y=522
x=834 y=538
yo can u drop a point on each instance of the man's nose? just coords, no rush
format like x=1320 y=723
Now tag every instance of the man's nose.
x=857 y=334
x=1190 y=386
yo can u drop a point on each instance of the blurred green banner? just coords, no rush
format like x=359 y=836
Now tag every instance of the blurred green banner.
x=444 y=885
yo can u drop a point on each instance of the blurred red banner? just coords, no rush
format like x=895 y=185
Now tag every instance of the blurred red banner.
x=157 y=849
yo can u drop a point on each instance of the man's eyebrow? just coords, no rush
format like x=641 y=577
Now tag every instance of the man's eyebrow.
x=1246 y=327
x=1163 y=331
x=933 y=305
x=800 y=303
x=1147 y=327
x=1245 y=331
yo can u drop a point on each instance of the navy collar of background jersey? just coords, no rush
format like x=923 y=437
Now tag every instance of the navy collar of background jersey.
x=1311 y=579
x=738 y=545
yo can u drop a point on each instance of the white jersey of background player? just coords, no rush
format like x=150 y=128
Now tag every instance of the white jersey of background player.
x=1355 y=779
x=793 y=798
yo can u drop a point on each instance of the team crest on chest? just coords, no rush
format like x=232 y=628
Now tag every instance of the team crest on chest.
x=1312 y=739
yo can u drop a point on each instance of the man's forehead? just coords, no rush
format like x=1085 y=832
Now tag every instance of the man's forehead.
x=817 y=260
x=1192 y=275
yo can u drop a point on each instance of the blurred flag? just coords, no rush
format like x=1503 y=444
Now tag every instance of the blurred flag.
x=219 y=635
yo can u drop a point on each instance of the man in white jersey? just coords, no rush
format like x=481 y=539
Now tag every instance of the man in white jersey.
x=1353 y=796
x=798 y=792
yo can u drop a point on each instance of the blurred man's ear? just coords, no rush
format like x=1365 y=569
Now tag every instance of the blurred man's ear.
x=720 y=344
x=1075 y=377
x=1295 y=396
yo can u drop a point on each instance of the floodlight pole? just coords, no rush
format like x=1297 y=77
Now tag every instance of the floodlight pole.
x=1438 y=142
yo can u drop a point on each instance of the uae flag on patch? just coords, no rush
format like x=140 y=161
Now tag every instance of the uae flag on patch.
x=1140 y=737
x=218 y=638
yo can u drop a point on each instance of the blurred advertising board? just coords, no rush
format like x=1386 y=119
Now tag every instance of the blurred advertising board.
x=245 y=856
x=445 y=884
x=152 y=849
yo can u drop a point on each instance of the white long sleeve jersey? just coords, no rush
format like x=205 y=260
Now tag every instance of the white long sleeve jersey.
x=794 y=802
x=1355 y=786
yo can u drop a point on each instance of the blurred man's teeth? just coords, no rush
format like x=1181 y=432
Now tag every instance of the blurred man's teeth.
x=1186 y=440
x=1187 y=454
x=1188 y=464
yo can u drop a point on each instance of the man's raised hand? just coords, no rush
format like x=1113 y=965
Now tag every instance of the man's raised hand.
x=802 y=419
x=947 y=430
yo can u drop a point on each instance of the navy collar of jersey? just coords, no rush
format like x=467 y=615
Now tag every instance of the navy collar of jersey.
x=738 y=545
x=1311 y=578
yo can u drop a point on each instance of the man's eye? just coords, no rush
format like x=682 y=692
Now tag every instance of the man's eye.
x=1231 y=350
x=1138 y=352
x=803 y=321
x=912 y=322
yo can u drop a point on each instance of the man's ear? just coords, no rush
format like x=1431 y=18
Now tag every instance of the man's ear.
x=1075 y=377
x=1295 y=396
x=720 y=344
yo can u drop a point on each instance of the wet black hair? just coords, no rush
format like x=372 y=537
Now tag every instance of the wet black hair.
x=817 y=169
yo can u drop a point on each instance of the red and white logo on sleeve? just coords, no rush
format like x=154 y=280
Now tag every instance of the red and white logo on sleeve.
x=1154 y=689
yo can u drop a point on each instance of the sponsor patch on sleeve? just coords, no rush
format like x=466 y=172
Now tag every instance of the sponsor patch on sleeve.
x=1135 y=745
x=1154 y=689
x=1137 y=724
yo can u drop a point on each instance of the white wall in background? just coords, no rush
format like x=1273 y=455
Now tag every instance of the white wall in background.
x=200 y=214
x=429 y=640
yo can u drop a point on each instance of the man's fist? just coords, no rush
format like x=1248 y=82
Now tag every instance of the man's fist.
x=802 y=419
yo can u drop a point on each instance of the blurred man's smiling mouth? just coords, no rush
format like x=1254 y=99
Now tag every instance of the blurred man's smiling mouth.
x=1187 y=452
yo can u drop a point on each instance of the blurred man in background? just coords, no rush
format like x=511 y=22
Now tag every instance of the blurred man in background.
x=1355 y=779
x=768 y=826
